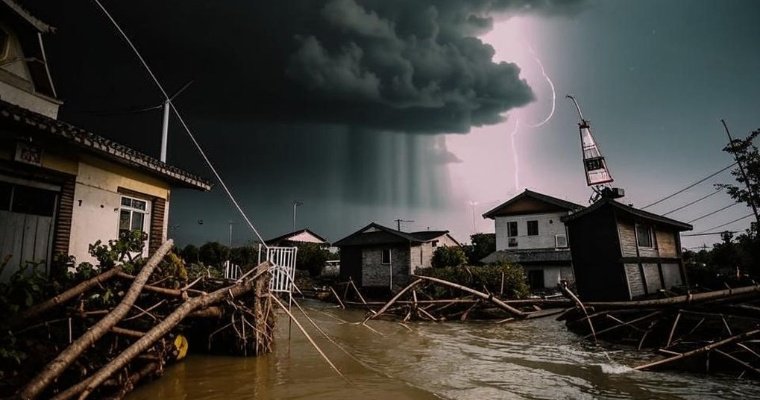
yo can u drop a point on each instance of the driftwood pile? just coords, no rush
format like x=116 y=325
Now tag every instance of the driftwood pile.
x=105 y=352
x=414 y=302
x=717 y=331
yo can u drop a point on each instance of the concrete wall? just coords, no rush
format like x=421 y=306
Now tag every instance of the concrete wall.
x=549 y=225
x=377 y=274
x=97 y=203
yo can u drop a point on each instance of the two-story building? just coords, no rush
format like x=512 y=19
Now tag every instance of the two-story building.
x=530 y=232
x=63 y=188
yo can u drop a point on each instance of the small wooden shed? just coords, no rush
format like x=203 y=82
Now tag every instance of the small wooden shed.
x=621 y=253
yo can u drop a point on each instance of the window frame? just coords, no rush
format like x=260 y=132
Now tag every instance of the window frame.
x=510 y=225
x=649 y=235
x=132 y=210
x=528 y=226
x=383 y=259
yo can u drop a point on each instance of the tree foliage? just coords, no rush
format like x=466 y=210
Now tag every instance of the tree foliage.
x=482 y=244
x=747 y=189
x=448 y=256
x=312 y=257
x=488 y=277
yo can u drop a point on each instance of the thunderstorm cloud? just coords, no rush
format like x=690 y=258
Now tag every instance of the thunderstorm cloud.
x=338 y=100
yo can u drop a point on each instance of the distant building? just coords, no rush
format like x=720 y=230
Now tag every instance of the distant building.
x=530 y=232
x=297 y=237
x=61 y=187
x=621 y=253
x=381 y=257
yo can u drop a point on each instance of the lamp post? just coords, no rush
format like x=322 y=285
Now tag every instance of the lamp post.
x=296 y=203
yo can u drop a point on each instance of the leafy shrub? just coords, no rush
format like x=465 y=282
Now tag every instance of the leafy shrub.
x=485 y=279
x=448 y=257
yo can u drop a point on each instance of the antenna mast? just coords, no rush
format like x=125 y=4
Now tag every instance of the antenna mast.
x=598 y=176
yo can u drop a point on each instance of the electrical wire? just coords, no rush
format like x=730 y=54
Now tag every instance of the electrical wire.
x=709 y=233
x=182 y=121
x=688 y=187
x=728 y=223
x=693 y=202
x=712 y=213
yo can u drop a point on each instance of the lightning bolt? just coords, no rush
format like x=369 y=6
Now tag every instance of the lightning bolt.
x=516 y=129
x=551 y=85
x=512 y=136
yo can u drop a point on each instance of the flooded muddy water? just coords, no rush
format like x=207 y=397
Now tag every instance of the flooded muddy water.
x=537 y=359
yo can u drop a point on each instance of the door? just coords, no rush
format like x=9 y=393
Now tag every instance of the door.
x=27 y=214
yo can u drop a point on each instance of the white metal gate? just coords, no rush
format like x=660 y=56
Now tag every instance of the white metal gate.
x=283 y=267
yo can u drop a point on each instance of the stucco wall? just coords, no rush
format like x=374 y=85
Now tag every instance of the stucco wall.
x=97 y=203
x=28 y=100
x=549 y=225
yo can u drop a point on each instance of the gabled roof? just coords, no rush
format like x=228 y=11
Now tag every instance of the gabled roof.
x=292 y=237
x=12 y=115
x=428 y=235
x=529 y=194
x=633 y=212
x=25 y=15
x=375 y=234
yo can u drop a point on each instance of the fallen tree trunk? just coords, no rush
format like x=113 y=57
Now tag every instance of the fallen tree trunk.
x=160 y=330
x=56 y=367
x=701 y=349
x=393 y=300
x=34 y=311
x=506 y=307
x=684 y=299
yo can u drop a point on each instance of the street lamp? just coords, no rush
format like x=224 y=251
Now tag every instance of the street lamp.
x=296 y=203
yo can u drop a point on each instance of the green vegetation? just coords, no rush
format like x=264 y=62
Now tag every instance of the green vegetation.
x=488 y=277
x=482 y=244
x=448 y=257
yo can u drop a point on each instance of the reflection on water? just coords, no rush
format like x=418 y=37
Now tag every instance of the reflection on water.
x=535 y=359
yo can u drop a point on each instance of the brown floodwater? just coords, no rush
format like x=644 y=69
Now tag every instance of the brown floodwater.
x=537 y=359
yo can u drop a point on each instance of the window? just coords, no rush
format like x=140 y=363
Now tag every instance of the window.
x=27 y=200
x=532 y=228
x=386 y=258
x=511 y=228
x=132 y=215
x=644 y=236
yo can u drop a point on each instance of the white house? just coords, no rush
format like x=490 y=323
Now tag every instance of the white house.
x=530 y=232
x=62 y=187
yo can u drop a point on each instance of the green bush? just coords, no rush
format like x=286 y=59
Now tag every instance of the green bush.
x=448 y=257
x=482 y=278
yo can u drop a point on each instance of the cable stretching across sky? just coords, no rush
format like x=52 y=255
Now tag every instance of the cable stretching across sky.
x=182 y=121
x=516 y=130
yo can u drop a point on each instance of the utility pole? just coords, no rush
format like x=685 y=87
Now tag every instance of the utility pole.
x=398 y=223
x=296 y=203
x=473 y=204
x=165 y=126
x=752 y=195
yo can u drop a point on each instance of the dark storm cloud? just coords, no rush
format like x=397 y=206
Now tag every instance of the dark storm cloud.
x=328 y=101
x=408 y=66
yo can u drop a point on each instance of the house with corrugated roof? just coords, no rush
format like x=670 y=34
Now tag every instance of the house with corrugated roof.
x=63 y=187
x=380 y=257
x=530 y=232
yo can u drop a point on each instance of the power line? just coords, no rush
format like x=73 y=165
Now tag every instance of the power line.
x=709 y=233
x=693 y=202
x=729 y=222
x=182 y=121
x=688 y=187
x=711 y=213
